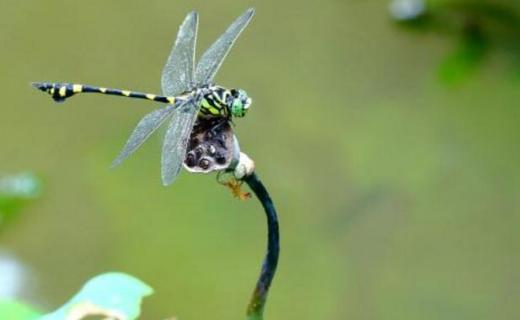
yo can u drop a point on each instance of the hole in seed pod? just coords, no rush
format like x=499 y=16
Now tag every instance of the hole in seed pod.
x=204 y=163
x=193 y=142
x=190 y=160
x=199 y=151
x=220 y=158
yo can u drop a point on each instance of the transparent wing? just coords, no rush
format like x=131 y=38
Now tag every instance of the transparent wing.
x=212 y=59
x=176 y=141
x=177 y=75
x=142 y=131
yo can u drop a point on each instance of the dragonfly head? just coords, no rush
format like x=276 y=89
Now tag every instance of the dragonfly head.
x=240 y=103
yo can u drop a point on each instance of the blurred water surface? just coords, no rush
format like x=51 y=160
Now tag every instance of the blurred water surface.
x=398 y=196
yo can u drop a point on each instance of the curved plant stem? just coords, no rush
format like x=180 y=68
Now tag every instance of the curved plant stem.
x=257 y=303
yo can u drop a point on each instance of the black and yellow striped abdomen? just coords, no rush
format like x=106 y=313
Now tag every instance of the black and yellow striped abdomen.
x=61 y=91
x=215 y=103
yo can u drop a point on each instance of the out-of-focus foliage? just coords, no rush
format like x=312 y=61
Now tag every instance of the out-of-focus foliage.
x=14 y=310
x=112 y=295
x=15 y=191
x=478 y=26
x=398 y=196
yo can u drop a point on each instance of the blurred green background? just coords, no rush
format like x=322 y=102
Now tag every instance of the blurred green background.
x=398 y=195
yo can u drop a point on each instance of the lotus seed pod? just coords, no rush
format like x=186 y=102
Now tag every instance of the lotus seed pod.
x=213 y=146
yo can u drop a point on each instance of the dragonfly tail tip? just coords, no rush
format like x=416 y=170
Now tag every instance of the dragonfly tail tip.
x=37 y=85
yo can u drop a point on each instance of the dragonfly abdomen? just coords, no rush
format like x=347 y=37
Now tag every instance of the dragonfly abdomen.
x=61 y=91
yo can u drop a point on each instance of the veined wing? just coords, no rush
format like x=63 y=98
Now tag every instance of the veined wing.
x=177 y=74
x=212 y=59
x=143 y=130
x=176 y=141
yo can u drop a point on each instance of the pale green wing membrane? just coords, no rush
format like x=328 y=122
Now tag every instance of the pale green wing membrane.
x=177 y=74
x=142 y=131
x=176 y=78
x=212 y=59
x=176 y=141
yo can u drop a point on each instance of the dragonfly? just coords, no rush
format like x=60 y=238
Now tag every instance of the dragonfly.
x=199 y=112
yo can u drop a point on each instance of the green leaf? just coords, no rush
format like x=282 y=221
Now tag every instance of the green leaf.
x=464 y=62
x=24 y=185
x=114 y=295
x=13 y=310
x=15 y=191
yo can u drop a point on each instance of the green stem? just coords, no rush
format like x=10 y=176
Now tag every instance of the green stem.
x=257 y=303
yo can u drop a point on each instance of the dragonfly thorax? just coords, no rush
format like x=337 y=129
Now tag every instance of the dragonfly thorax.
x=221 y=102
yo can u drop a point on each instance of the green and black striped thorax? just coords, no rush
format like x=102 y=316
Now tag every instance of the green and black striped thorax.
x=217 y=102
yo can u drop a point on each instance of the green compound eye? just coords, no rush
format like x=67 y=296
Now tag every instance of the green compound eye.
x=237 y=108
x=240 y=104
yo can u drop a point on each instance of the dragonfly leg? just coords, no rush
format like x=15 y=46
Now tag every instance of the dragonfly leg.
x=215 y=129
